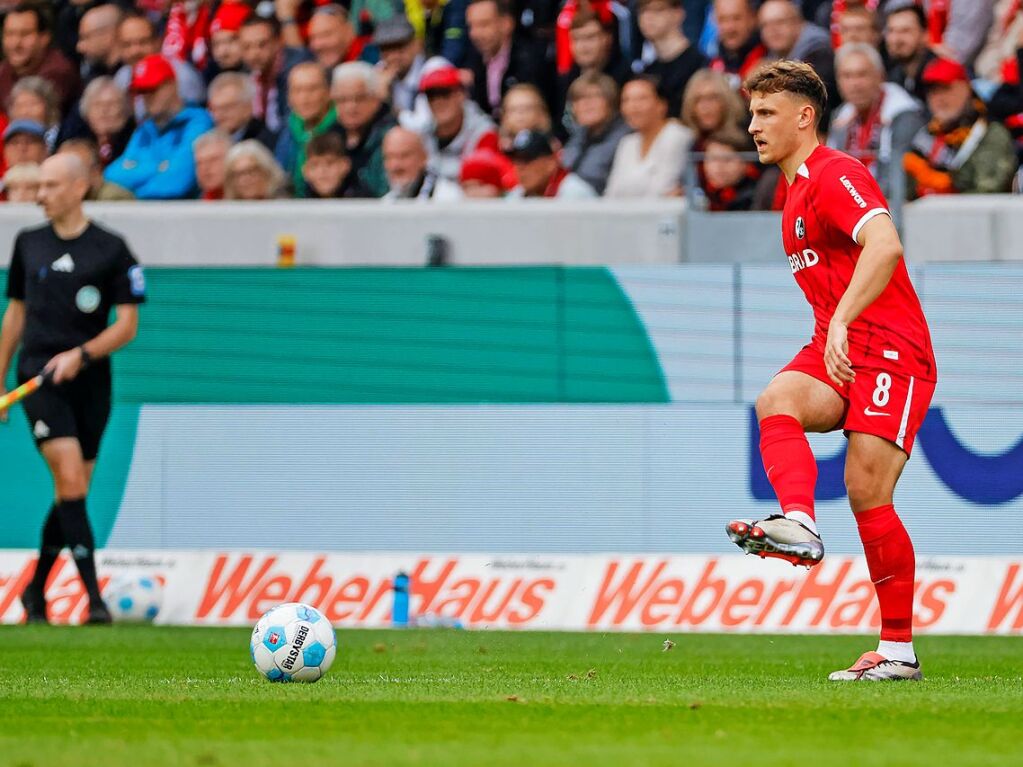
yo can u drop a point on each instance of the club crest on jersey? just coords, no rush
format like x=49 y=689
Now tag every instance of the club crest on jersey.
x=800 y=228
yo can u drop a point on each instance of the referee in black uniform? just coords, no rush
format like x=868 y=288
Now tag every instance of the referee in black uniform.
x=65 y=278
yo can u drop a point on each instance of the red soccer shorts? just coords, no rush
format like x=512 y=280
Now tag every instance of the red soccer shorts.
x=884 y=401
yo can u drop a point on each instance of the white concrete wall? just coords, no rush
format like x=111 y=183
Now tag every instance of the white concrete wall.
x=373 y=233
x=331 y=233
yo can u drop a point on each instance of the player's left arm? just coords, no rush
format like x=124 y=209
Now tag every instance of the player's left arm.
x=67 y=365
x=882 y=251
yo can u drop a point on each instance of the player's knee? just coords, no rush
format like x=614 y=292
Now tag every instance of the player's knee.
x=70 y=481
x=773 y=402
x=864 y=485
x=768 y=403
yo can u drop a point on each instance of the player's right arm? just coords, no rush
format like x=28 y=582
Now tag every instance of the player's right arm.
x=10 y=337
x=13 y=326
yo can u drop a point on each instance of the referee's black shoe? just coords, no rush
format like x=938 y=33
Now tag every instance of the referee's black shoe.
x=99 y=615
x=35 y=606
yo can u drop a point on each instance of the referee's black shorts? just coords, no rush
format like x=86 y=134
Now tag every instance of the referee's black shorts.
x=78 y=408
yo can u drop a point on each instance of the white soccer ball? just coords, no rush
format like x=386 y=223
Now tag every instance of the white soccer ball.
x=293 y=642
x=134 y=598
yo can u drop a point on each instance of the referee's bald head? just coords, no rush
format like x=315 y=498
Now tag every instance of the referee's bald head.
x=63 y=185
x=66 y=166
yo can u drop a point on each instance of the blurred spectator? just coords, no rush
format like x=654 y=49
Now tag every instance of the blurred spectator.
x=24 y=142
x=649 y=162
x=364 y=120
x=877 y=121
x=959 y=151
x=105 y=118
x=593 y=48
x=957 y=28
x=1002 y=42
x=522 y=108
x=739 y=45
x=660 y=22
x=408 y=173
x=97 y=41
x=230 y=105
x=905 y=38
x=590 y=150
x=187 y=31
x=788 y=35
x=27 y=49
x=100 y=189
x=225 y=40
x=859 y=24
x=269 y=61
x=158 y=164
x=33 y=98
x=21 y=183
x=252 y=173
x=327 y=168
x=482 y=175
x=440 y=26
x=1006 y=103
x=729 y=180
x=499 y=58
x=136 y=39
x=534 y=155
x=372 y=11
x=459 y=126
x=311 y=114
x=331 y=37
x=709 y=105
x=401 y=64
x=209 y=152
x=615 y=16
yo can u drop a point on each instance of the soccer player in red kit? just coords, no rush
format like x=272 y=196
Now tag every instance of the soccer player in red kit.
x=869 y=368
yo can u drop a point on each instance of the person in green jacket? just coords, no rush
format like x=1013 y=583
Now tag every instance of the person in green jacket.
x=311 y=114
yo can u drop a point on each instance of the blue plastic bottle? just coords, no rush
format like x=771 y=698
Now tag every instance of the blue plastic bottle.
x=399 y=613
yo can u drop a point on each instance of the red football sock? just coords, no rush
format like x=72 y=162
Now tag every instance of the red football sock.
x=892 y=566
x=789 y=462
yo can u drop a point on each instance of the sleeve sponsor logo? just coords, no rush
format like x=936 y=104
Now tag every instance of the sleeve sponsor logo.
x=853 y=192
x=137 y=281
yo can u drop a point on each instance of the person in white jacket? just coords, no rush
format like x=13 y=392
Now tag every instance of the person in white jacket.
x=457 y=126
x=650 y=161
x=876 y=121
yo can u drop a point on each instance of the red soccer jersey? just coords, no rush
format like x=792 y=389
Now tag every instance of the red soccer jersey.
x=832 y=197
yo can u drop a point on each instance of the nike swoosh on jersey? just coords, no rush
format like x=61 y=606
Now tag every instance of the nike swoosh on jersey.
x=868 y=411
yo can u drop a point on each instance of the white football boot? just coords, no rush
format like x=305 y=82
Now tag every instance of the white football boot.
x=872 y=667
x=779 y=537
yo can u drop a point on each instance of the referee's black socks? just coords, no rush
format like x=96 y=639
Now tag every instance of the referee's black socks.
x=74 y=523
x=49 y=550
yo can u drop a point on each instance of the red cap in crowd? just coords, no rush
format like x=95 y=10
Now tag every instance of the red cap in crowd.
x=150 y=73
x=485 y=167
x=944 y=72
x=230 y=17
x=444 y=77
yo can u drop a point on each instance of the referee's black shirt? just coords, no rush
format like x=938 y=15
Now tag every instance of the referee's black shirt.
x=69 y=288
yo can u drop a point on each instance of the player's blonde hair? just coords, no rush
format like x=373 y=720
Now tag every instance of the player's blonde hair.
x=790 y=77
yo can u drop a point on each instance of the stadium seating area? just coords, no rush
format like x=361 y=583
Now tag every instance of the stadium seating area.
x=452 y=99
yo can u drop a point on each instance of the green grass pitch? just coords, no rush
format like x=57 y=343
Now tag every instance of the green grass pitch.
x=145 y=696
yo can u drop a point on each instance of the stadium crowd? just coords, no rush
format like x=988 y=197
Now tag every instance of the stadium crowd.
x=450 y=99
